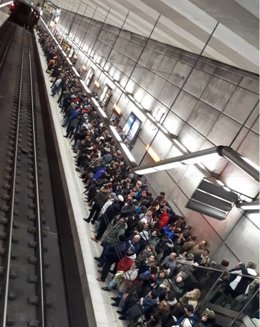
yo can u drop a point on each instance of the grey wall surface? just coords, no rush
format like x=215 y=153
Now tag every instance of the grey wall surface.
x=202 y=102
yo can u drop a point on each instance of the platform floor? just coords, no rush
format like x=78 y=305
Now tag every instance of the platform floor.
x=105 y=314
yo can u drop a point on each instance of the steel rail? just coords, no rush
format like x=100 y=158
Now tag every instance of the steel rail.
x=13 y=193
x=38 y=211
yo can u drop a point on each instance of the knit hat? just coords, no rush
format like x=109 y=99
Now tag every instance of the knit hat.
x=210 y=313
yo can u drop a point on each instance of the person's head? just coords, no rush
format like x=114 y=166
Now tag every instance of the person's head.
x=136 y=238
x=130 y=251
x=162 y=274
x=193 y=294
x=178 y=280
x=207 y=315
x=205 y=253
x=172 y=256
x=224 y=263
x=151 y=258
x=202 y=244
x=251 y=265
x=188 y=310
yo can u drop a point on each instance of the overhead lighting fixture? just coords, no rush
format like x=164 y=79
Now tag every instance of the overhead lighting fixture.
x=139 y=105
x=94 y=101
x=255 y=205
x=150 y=170
x=85 y=86
x=68 y=60
x=130 y=96
x=199 y=159
x=163 y=128
x=119 y=86
x=181 y=146
x=178 y=161
x=115 y=133
x=97 y=84
x=117 y=109
x=241 y=162
x=102 y=113
x=6 y=4
x=128 y=153
x=75 y=71
x=64 y=53
x=150 y=116
x=251 y=163
x=152 y=153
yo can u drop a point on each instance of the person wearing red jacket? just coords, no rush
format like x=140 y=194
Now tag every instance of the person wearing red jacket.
x=165 y=217
x=127 y=261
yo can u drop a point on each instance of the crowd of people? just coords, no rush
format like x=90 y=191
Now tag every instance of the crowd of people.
x=153 y=264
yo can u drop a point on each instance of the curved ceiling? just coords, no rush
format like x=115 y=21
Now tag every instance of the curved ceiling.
x=186 y=24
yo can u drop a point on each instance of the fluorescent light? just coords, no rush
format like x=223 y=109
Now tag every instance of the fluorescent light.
x=128 y=153
x=95 y=102
x=130 y=96
x=241 y=162
x=6 y=4
x=117 y=109
x=145 y=171
x=163 y=128
x=119 y=86
x=115 y=133
x=245 y=198
x=251 y=163
x=151 y=117
x=75 y=71
x=139 y=105
x=64 y=53
x=97 y=84
x=178 y=161
x=102 y=112
x=85 y=86
x=158 y=168
x=198 y=159
x=255 y=205
x=180 y=145
x=152 y=153
x=68 y=60
x=227 y=188
x=220 y=182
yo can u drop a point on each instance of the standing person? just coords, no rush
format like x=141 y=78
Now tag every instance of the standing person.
x=100 y=199
x=112 y=211
x=56 y=87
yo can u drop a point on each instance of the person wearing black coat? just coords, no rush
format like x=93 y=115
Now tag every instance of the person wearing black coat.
x=100 y=199
x=112 y=211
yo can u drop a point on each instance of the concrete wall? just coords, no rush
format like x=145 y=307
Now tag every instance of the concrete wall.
x=3 y=15
x=204 y=102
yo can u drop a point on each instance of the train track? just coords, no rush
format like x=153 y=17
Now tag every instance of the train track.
x=32 y=289
x=24 y=166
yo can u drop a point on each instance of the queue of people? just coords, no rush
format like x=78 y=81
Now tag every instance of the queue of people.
x=151 y=260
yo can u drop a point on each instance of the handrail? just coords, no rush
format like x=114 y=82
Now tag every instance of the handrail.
x=219 y=270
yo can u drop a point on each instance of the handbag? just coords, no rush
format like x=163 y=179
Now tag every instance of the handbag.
x=125 y=285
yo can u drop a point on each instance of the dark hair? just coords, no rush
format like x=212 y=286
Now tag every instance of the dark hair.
x=225 y=263
x=189 y=307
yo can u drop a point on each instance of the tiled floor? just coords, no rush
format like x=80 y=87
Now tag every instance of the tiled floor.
x=105 y=314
